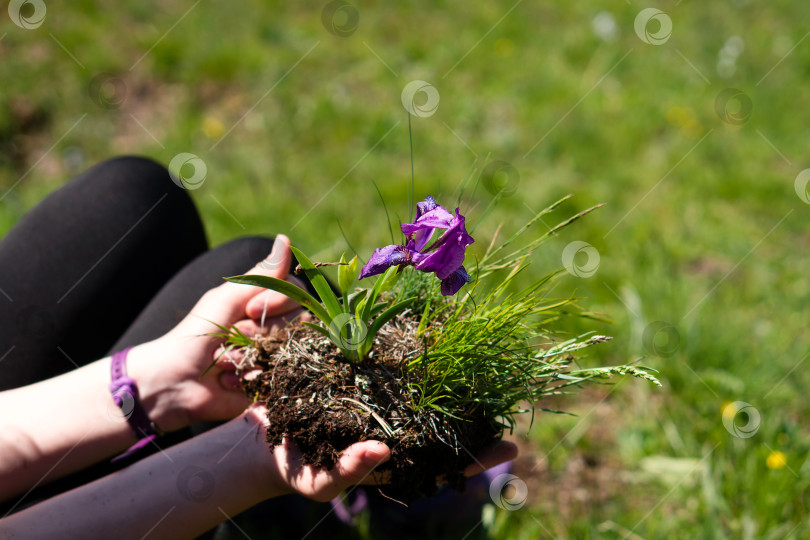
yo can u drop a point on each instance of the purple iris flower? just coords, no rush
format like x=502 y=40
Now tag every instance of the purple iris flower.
x=444 y=257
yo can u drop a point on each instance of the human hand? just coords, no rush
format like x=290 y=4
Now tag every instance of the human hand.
x=284 y=471
x=168 y=369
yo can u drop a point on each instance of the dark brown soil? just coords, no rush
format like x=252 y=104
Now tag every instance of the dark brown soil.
x=324 y=403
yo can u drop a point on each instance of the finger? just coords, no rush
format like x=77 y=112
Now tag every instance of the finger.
x=224 y=396
x=356 y=465
x=227 y=357
x=270 y=303
x=229 y=403
x=358 y=462
x=276 y=264
x=229 y=380
x=252 y=328
x=226 y=304
x=276 y=323
x=496 y=454
x=297 y=282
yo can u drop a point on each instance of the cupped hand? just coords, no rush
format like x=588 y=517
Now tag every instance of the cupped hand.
x=168 y=370
x=357 y=465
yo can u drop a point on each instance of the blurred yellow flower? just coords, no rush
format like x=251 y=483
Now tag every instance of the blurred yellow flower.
x=504 y=47
x=678 y=116
x=213 y=128
x=776 y=460
x=729 y=411
x=686 y=119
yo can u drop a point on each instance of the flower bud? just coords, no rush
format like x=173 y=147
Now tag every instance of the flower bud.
x=346 y=273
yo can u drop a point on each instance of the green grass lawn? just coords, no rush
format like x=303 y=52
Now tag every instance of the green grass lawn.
x=702 y=244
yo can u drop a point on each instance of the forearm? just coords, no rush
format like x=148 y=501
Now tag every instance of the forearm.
x=179 y=493
x=64 y=424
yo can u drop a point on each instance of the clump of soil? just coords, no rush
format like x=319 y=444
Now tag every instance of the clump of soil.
x=324 y=403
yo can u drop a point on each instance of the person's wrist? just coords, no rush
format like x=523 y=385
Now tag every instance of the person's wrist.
x=158 y=393
x=270 y=480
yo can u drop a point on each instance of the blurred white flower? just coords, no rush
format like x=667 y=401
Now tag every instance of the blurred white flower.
x=728 y=55
x=604 y=25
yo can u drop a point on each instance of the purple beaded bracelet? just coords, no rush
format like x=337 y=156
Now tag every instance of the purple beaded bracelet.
x=125 y=394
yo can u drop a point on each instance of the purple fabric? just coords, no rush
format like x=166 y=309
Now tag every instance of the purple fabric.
x=124 y=389
x=142 y=443
x=447 y=503
x=345 y=513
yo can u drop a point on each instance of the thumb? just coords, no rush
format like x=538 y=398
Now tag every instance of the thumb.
x=233 y=400
x=226 y=304
x=358 y=462
x=276 y=265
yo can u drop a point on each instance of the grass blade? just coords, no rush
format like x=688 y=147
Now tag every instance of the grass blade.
x=317 y=327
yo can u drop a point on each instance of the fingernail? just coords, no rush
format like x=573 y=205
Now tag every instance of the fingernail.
x=377 y=455
x=229 y=381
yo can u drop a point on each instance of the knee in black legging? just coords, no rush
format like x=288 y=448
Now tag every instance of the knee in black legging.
x=139 y=181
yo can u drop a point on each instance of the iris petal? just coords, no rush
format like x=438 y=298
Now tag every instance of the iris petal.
x=425 y=206
x=438 y=218
x=455 y=281
x=385 y=257
x=447 y=254
x=420 y=238
x=429 y=217
x=444 y=257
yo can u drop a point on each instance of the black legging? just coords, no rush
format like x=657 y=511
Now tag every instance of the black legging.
x=114 y=258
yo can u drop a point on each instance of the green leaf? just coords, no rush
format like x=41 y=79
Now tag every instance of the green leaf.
x=355 y=299
x=288 y=289
x=232 y=335
x=378 y=308
x=375 y=291
x=390 y=279
x=320 y=284
x=317 y=327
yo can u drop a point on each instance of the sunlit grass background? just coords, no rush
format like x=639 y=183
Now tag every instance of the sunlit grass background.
x=703 y=232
